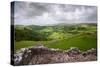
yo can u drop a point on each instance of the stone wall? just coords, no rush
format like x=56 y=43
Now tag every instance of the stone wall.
x=44 y=55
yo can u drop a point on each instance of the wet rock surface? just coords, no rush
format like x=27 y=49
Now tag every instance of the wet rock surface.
x=43 y=55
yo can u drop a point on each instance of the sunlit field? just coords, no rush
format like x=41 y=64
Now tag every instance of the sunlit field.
x=83 y=36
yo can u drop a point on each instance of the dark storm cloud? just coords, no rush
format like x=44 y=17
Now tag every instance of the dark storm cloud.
x=28 y=9
x=33 y=13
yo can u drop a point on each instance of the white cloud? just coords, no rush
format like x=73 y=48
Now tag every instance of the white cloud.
x=44 y=19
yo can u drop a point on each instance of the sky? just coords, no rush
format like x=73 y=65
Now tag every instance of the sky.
x=32 y=13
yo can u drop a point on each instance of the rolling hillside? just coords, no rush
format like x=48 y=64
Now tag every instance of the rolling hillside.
x=82 y=41
x=61 y=36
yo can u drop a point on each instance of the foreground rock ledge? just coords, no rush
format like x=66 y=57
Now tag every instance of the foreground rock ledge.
x=43 y=55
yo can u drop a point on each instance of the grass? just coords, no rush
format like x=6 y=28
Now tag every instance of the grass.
x=25 y=44
x=83 y=41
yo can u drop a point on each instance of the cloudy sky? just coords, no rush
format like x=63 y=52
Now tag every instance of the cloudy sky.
x=27 y=13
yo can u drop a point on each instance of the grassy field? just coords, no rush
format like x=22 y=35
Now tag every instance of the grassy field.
x=83 y=41
x=83 y=36
x=26 y=44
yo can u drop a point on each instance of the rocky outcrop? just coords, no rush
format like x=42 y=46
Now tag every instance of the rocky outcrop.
x=43 y=55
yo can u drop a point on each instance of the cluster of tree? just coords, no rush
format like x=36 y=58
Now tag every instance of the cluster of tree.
x=37 y=34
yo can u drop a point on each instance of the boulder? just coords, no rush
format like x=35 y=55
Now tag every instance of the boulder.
x=73 y=51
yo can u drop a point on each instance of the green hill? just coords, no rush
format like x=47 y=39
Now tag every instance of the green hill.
x=83 y=41
x=62 y=36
